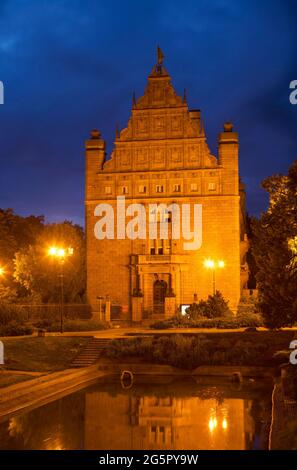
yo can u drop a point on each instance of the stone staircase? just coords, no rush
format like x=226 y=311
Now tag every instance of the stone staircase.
x=91 y=353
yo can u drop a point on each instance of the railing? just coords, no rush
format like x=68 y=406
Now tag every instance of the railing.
x=53 y=311
x=159 y=258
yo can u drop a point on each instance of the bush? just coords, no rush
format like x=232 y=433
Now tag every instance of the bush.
x=245 y=308
x=131 y=347
x=15 y=329
x=174 y=322
x=43 y=324
x=188 y=352
x=83 y=325
x=240 y=321
x=12 y=313
x=214 y=307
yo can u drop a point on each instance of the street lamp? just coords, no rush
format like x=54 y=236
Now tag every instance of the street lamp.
x=213 y=265
x=2 y=271
x=61 y=254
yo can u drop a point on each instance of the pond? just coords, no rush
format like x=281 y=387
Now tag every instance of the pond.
x=168 y=414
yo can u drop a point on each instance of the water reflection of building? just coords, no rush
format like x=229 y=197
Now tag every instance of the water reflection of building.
x=150 y=422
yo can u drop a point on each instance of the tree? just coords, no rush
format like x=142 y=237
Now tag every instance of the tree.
x=253 y=268
x=274 y=247
x=40 y=274
x=16 y=233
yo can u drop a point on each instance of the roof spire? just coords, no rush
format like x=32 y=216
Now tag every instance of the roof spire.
x=160 y=57
x=185 y=96
x=133 y=100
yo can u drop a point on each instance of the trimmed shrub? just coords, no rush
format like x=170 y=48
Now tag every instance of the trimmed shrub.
x=239 y=321
x=15 y=329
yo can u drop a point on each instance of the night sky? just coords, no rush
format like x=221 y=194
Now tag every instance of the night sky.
x=69 y=66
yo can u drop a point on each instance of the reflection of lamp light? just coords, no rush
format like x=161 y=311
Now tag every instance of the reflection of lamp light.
x=224 y=423
x=212 y=424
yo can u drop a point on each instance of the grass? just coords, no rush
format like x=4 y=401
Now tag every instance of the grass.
x=47 y=354
x=7 y=379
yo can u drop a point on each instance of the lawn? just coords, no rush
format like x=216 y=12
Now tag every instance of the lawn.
x=41 y=354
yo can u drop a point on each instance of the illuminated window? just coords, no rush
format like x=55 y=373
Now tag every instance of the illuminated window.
x=124 y=189
x=142 y=189
x=160 y=248
x=176 y=188
x=152 y=247
x=107 y=190
x=159 y=188
x=167 y=246
x=194 y=187
x=211 y=186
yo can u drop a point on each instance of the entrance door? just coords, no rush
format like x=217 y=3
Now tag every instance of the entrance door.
x=160 y=288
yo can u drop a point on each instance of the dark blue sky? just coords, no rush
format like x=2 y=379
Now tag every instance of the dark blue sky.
x=69 y=66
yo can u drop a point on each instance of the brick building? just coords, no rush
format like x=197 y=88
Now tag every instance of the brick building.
x=162 y=157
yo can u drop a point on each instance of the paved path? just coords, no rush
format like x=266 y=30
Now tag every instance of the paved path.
x=116 y=333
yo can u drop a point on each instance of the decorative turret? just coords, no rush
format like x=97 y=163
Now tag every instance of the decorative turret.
x=95 y=157
x=228 y=158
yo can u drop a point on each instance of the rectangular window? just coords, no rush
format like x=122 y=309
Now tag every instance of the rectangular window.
x=167 y=246
x=152 y=247
x=159 y=188
x=107 y=190
x=124 y=189
x=194 y=187
x=167 y=216
x=176 y=188
x=142 y=189
x=211 y=186
x=160 y=249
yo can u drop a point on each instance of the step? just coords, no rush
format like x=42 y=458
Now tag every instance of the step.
x=91 y=353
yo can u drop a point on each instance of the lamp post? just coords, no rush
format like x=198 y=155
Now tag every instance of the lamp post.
x=213 y=265
x=61 y=254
